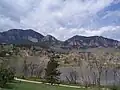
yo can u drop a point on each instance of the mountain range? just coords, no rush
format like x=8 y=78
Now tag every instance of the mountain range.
x=29 y=36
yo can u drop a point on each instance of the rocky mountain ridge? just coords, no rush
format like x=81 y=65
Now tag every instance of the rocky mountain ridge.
x=19 y=36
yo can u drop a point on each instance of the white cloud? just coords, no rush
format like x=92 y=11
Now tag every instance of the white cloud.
x=6 y=22
x=68 y=14
x=61 y=18
x=112 y=32
x=108 y=31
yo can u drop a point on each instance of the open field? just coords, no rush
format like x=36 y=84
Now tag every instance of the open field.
x=32 y=86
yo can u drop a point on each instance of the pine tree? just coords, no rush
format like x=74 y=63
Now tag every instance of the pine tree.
x=52 y=73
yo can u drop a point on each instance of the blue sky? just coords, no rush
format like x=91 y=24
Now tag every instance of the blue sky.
x=63 y=18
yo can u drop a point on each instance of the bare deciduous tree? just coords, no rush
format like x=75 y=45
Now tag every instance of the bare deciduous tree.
x=73 y=76
x=25 y=68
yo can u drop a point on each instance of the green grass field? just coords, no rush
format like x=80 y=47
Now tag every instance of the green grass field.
x=31 y=86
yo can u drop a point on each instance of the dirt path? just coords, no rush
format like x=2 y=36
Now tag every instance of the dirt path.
x=49 y=84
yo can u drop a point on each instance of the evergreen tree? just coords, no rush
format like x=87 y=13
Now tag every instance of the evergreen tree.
x=7 y=72
x=52 y=73
x=6 y=76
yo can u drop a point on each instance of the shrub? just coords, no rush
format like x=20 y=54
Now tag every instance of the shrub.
x=6 y=76
x=114 y=88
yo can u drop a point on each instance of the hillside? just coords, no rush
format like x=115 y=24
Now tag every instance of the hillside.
x=29 y=36
x=91 y=42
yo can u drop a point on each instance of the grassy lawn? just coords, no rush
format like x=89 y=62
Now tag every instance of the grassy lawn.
x=31 y=86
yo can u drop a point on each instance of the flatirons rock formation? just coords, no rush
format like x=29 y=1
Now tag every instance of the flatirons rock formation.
x=19 y=36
